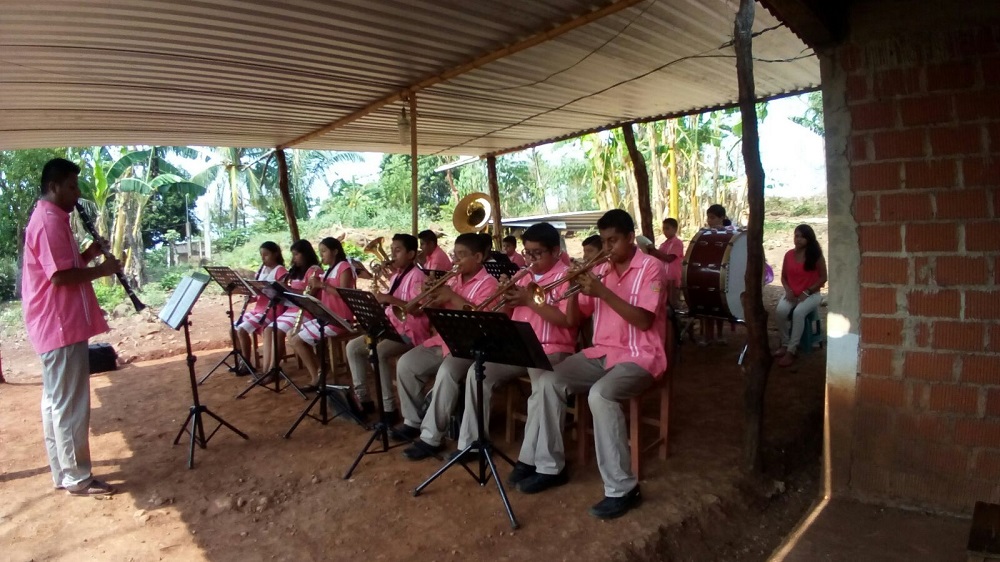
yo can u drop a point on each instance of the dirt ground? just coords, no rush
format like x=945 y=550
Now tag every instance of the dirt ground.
x=270 y=498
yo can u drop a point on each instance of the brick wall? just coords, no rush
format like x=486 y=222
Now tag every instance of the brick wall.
x=924 y=156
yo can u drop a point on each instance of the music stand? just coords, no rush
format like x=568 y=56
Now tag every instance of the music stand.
x=370 y=314
x=324 y=317
x=232 y=284
x=498 y=268
x=175 y=314
x=482 y=337
x=276 y=293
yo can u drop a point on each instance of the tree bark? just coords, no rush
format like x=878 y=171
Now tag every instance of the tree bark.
x=758 y=361
x=675 y=197
x=414 y=165
x=286 y=195
x=641 y=182
x=491 y=169
x=656 y=177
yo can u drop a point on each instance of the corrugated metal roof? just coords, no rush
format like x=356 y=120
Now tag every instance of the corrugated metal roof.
x=574 y=221
x=241 y=73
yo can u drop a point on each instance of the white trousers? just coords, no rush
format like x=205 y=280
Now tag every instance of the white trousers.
x=66 y=414
x=413 y=371
x=791 y=328
x=357 y=360
x=543 y=441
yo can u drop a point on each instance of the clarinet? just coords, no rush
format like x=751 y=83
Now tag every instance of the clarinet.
x=87 y=224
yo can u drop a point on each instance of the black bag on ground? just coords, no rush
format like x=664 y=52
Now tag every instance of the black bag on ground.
x=102 y=358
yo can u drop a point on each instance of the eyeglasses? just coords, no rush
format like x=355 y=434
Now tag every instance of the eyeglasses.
x=533 y=254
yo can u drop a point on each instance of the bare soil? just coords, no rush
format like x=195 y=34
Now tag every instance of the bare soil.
x=271 y=498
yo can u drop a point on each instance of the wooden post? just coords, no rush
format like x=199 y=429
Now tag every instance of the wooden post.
x=758 y=361
x=414 y=165
x=286 y=195
x=641 y=182
x=491 y=168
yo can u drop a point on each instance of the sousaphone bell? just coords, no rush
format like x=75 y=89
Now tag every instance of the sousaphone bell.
x=472 y=213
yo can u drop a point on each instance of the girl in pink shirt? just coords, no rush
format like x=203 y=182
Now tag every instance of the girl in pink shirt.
x=305 y=266
x=272 y=268
x=803 y=273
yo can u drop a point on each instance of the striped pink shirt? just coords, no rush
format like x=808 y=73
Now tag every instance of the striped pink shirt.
x=476 y=290
x=554 y=339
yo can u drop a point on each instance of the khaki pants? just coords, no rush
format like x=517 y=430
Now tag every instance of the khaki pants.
x=543 y=443
x=66 y=414
x=496 y=374
x=413 y=371
x=357 y=360
x=791 y=319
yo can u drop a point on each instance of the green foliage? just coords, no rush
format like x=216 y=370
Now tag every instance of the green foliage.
x=166 y=212
x=8 y=279
x=171 y=278
x=813 y=117
x=20 y=172
x=109 y=296
x=231 y=239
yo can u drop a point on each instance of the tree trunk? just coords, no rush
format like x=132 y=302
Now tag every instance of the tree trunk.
x=656 y=177
x=694 y=158
x=758 y=361
x=717 y=132
x=286 y=196
x=491 y=169
x=675 y=197
x=641 y=182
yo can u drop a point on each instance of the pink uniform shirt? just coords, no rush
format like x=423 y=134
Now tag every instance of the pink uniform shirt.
x=265 y=274
x=55 y=316
x=438 y=260
x=673 y=246
x=301 y=284
x=476 y=290
x=333 y=300
x=554 y=339
x=517 y=259
x=642 y=285
x=416 y=327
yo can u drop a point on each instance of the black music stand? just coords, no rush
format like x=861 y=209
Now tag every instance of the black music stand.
x=232 y=284
x=175 y=314
x=370 y=314
x=324 y=317
x=276 y=293
x=486 y=336
x=498 y=268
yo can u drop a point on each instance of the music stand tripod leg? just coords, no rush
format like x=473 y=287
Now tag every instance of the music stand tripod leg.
x=380 y=431
x=322 y=393
x=235 y=353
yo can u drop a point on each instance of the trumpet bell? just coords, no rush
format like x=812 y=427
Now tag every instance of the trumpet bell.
x=472 y=213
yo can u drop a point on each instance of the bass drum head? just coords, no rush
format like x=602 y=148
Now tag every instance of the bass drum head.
x=734 y=274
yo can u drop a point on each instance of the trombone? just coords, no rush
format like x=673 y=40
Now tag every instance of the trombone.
x=401 y=312
x=539 y=292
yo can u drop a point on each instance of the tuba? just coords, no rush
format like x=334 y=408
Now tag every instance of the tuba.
x=472 y=213
x=379 y=267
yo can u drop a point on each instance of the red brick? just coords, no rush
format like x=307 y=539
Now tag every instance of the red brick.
x=994 y=337
x=900 y=144
x=963 y=336
x=963 y=204
x=954 y=399
x=850 y=57
x=865 y=208
x=859 y=148
x=873 y=115
x=940 y=304
x=878 y=300
x=857 y=89
x=993 y=131
x=881 y=331
x=981 y=172
x=991 y=71
x=880 y=270
x=896 y=82
x=952 y=140
x=930 y=238
x=993 y=403
x=981 y=369
x=958 y=270
x=976 y=106
x=982 y=305
x=899 y=207
x=982 y=237
x=935 y=458
x=875 y=177
x=925 y=174
x=977 y=433
x=885 y=392
x=880 y=238
x=987 y=465
x=876 y=361
x=931 y=110
x=951 y=76
x=922 y=334
x=927 y=427
x=931 y=366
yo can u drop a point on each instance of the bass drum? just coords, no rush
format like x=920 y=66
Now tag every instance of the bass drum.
x=714 y=274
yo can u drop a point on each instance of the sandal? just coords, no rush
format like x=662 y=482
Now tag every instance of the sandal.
x=94 y=488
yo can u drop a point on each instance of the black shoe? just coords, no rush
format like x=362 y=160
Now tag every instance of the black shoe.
x=403 y=432
x=471 y=456
x=610 y=508
x=309 y=388
x=368 y=407
x=522 y=471
x=540 y=482
x=420 y=451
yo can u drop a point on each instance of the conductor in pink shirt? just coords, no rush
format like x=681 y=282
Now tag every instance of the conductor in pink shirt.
x=433 y=256
x=61 y=314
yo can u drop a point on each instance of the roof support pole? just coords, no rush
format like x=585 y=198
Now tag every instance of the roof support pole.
x=414 y=165
x=641 y=182
x=758 y=362
x=491 y=169
x=286 y=195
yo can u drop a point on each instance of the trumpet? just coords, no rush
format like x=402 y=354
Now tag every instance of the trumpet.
x=401 y=312
x=539 y=293
x=499 y=292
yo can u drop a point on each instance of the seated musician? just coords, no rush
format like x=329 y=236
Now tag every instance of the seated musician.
x=433 y=256
x=272 y=268
x=305 y=266
x=339 y=275
x=592 y=246
x=471 y=286
x=628 y=306
x=405 y=283
x=553 y=329
x=510 y=248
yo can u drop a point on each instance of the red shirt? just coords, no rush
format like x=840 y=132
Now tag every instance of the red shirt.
x=796 y=275
x=55 y=316
x=416 y=327
x=476 y=290
x=438 y=260
x=673 y=246
x=642 y=285
x=554 y=339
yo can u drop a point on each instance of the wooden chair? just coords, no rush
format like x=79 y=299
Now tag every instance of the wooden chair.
x=288 y=354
